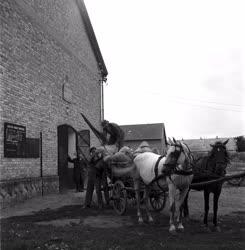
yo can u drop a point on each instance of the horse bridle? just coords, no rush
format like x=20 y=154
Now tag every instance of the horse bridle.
x=217 y=163
x=173 y=166
x=168 y=165
x=176 y=156
x=176 y=153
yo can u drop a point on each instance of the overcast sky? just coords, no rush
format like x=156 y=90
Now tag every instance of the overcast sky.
x=180 y=63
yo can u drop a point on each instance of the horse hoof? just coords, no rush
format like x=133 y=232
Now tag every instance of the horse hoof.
x=180 y=228
x=140 y=221
x=172 y=230
x=206 y=229
x=217 y=229
x=151 y=222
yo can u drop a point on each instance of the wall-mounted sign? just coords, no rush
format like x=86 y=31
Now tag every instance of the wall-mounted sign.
x=14 y=140
x=67 y=92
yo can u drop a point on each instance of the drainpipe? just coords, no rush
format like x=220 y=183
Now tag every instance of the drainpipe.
x=102 y=100
x=102 y=81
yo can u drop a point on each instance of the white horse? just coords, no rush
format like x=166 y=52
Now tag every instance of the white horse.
x=175 y=166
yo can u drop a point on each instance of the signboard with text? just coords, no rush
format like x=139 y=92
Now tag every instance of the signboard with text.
x=14 y=140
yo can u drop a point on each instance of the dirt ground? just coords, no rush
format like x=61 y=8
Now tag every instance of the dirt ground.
x=63 y=224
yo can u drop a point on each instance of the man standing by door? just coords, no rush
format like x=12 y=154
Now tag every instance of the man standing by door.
x=78 y=171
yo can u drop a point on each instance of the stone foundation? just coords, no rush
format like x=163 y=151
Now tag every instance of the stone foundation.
x=18 y=190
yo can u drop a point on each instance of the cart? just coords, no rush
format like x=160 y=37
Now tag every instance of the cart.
x=122 y=193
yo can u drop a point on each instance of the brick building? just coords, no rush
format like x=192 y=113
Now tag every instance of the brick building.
x=154 y=134
x=51 y=69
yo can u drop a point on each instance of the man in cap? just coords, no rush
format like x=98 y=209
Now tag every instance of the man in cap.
x=143 y=147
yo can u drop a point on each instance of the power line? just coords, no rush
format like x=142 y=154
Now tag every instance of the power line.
x=211 y=107
x=197 y=100
x=203 y=106
x=218 y=103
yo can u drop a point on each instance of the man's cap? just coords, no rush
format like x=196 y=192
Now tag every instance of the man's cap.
x=91 y=149
x=104 y=122
x=144 y=144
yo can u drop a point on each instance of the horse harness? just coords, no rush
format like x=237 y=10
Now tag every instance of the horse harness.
x=156 y=165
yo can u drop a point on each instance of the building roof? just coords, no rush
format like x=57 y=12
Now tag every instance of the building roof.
x=144 y=131
x=92 y=39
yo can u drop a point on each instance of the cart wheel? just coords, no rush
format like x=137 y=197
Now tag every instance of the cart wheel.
x=157 y=200
x=235 y=181
x=119 y=197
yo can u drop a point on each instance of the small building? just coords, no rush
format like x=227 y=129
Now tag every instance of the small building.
x=51 y=70
x=154 y=134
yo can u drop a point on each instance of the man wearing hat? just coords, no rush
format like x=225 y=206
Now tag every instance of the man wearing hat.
x=143 y=147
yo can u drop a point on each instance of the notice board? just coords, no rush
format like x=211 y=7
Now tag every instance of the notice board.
x=14 y=140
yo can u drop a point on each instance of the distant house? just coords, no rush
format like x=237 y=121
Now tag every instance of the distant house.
x=154 y=134
x=203 y=145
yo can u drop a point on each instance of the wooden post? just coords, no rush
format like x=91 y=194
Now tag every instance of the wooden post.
x=41 y=162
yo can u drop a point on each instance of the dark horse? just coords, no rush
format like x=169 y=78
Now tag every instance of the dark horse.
x=210 y=167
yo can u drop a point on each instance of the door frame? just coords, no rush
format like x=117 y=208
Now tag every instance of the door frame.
x=64 y=173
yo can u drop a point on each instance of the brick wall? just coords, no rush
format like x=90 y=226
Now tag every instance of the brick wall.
x=62 y=18
x=44 y=45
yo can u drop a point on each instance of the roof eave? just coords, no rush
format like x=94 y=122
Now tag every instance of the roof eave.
x=93 y=40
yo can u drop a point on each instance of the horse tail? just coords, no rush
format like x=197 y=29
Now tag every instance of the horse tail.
x=119 y=171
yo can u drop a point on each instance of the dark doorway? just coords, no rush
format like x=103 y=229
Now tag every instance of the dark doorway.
x=67 y=141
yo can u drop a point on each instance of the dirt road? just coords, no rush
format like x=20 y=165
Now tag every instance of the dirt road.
x=69 y=227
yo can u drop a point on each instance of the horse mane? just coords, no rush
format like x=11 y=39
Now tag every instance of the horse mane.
x=190 y=154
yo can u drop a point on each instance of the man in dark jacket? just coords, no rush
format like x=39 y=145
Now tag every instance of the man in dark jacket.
x=78 y=171
x=91 y=178
x=96 y=178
